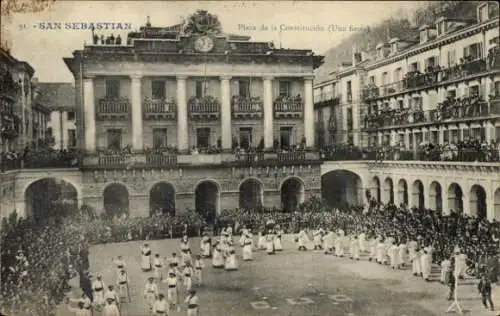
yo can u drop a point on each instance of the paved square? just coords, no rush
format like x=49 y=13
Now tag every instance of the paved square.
x=290 y=283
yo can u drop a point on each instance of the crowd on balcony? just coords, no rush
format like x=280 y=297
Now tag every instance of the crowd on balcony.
x=246 y=104
x=38 y=261
x=469 y=150
x=38 y=155
x=108 y=40
x=451 y=108
x=285 y=103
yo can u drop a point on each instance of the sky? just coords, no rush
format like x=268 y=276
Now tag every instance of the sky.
x=322 y=25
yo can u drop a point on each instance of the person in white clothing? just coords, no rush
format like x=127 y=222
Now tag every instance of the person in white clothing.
x=339 y=245
x=158 y=267
x=362 y=242
x=402 y=250
x=145 y=258
x=261 y=241
x=231 y=263
x=354 y=247
x=381 y=252
x=160 y=306
x=199 y=265
x=460 y=264
x=217 y=257
x=187 y=275
x=244 y=232
x=328 y=242
x=112 y=295
x=150 y=292
x=278 y=245
x=80 y=311
x=317 y=239
x=98 y=288
x=206 y=245
x=445 y=269
x=302 y=239
x=172 y=290
x=110 y=309
x=122 y=282
x=416 y=262
x=394 y=255
x=185 y=251
x=270 y=243
x=373 y=249
x=426 y=262
x=247 y=248
x=192 y=301
x=175 y=260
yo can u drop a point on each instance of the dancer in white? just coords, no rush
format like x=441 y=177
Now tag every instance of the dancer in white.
x=373 y=248
x=98 y=287
x=174 y=260
x=185 y=250
x=206 y=245
x=158 y=267
x=172 y=290
x=110 y=309
x=231 y=263
x=119 y=263
x=270 y=243
x=187 y=274
x=328 y=242
x=160 y=306
x=261 y=241
x=339 y=245
x=362 y=242
x=217 y=257
x=278 y=245
x=145 y=258
x=302 y=239
x=317 y=239
x=393 y=253
x=111 y=294
x=192 y=301
x=247 y=248
x=381 y=252
x=150 y=292
x=354 y=248
x=416 y=262
x=199 y=265
x=402 y=251
x=122 y=282
x=460 y=263
x=445 y=269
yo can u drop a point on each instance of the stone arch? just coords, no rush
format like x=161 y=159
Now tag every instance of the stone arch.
x=162 y=198
x=455 y=198
x=403 y=191
x=116 y=199
x=49 y=199
x=388 y=191
x=477 y=201
x=342 y=187
x=496 y=201
x=418 y=194
x=207 y=199
x=251 y=193
x=292 y=193
x=435 y=196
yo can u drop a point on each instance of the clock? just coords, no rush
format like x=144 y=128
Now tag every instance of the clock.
x=204 y=44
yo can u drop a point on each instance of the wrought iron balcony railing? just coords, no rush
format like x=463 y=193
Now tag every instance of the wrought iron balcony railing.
x=159 y=108
x=113 y=108
x=207 y=107
x=247 y=107
x=289 y=108
x=292 y=156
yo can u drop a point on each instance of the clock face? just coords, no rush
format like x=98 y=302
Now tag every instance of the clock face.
x=204 y=44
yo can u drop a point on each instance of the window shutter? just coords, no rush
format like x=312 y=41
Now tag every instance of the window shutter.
x=235 y=87
x=480 y=50
x=482 y=91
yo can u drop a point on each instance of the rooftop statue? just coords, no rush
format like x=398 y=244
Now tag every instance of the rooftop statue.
x=202 y=23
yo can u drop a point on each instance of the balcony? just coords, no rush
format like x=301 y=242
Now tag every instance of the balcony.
x=247 y=108
x=205 y=108
x=159 y=109
x=370 y=92
x=113 y=109
x=9 y=123
x=289 y=108
x=451 y=110
x=161 y=159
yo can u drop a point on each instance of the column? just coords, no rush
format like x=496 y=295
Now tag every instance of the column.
x=441 y=135
x=379 y=138
x=488 y=129
x=268 y=112
x=89 y=114
x=394 y=135
x=137 y=135
x=308 y=112
x=182 y=117
x=407 y=139
x=225 y=116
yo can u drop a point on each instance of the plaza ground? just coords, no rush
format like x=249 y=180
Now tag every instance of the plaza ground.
x=292 y=283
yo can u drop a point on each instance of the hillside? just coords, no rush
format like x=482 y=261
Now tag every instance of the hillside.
x=402 y=27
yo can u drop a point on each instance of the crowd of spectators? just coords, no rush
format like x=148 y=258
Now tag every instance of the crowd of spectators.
x=38 y=157
x=468 y=150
